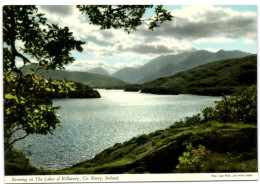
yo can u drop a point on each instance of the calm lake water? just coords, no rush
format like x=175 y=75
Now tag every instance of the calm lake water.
x=92 y=125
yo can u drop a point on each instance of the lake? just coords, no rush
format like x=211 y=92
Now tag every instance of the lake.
x=92 y=125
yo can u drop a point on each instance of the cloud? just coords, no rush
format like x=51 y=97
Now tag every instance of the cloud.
x=107 y=34
x=119 y=66
x=249 y=41
x=212 y=49
x=144 y=49
x=94 y=39
x=85 y=65
x=191 y=25
x=108 y=43
x=197 y=22
x=61 y=10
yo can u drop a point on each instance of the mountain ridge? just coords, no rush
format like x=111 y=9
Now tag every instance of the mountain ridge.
x=215 y=78
x=99 y=70
x=86 y=78
x=167 y=65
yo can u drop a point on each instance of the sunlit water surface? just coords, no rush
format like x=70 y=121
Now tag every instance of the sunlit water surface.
x=92 y=125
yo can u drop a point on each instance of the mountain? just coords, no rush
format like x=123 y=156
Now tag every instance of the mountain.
x=127 y=74
x=170 y=64
x=215 y=78
x=93 y=80
x=99 y=70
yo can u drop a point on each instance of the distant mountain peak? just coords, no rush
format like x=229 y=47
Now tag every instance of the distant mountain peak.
x=98 y=70
x=221 y=50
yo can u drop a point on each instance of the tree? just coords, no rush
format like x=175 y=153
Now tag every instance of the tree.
x=50 y=46
x=128 y=17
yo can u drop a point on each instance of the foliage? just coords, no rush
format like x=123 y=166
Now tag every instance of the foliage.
x=239 y=107
x=26 y=108
x=202 y=160
x=192 y=159
x=228 y=162
x=16 y=163
x=189 y=121
x=82 y=91
x=50 y=45
x=128 y=17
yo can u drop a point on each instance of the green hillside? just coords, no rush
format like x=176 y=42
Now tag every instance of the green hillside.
x=215 y=78
x=93 y=80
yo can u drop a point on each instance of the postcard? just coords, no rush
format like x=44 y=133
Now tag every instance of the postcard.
x=129 y=93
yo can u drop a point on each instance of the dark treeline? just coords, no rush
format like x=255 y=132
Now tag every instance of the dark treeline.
x=81 y=91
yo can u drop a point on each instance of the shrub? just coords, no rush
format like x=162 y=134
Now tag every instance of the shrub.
x=239 y=107
x=142 y=139
x=194 y=120
x=208 y=114
x=189 y=121
x=192 y=160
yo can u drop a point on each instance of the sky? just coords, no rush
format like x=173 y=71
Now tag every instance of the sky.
x=194 y=27
x=207 y=27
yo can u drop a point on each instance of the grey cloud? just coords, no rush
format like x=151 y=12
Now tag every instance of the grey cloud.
x=107 y=34
x=119 y=48
x=144 y=49
x=96 y=41
x=211 y=26
x=62 y=10
x=108 y=54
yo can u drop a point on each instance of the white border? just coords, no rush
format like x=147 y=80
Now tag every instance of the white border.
x=132 y=178
x=124 y=177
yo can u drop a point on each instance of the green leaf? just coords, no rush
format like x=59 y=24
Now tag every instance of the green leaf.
x=10 y=96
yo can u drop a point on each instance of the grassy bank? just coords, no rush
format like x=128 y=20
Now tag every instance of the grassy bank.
x=221 y=139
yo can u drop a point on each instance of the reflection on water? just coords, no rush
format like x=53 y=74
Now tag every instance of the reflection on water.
x=92 y=125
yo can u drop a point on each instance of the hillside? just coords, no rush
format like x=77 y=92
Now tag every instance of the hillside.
x=213 y=78
x=99 y=70
x=171 y=64
x=93 y=80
